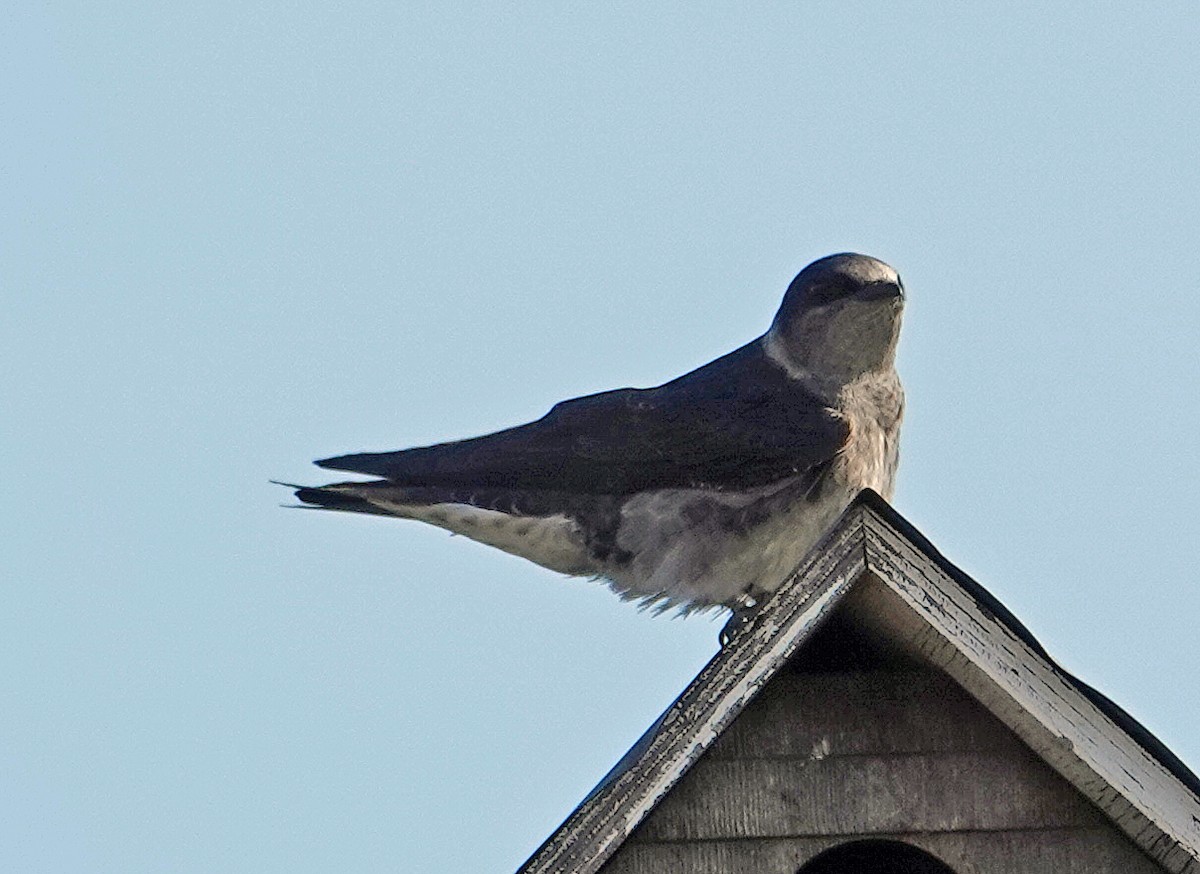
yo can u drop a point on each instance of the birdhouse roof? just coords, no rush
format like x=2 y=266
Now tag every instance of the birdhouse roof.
x=888 y=581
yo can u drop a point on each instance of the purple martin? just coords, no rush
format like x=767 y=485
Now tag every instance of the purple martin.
x=705 y=491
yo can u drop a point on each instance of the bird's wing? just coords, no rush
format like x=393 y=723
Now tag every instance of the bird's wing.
x=737 y=422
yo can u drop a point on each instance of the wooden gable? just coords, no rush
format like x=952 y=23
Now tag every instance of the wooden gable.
x=883 y=694
x=889 y=748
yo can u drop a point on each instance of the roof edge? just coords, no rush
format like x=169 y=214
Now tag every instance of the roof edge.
x=989 y=604
x=1106 y=754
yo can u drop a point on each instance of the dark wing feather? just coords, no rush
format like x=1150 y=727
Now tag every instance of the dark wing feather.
x=736 y=422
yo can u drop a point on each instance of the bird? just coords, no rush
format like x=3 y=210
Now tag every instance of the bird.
x=703 y=492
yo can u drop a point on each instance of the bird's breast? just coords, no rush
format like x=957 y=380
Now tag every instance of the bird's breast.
x=872 y=407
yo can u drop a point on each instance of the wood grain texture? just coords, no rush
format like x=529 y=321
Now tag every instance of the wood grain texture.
x=833 y=714
x=1044 y=851
x=865 y=752
x=865 y=795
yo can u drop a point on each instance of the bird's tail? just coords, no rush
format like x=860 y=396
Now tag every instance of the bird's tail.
x=347 y=497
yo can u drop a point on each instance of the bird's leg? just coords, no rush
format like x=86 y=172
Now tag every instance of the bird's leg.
x=744 y=608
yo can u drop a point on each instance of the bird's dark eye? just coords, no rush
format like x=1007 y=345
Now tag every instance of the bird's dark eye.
x=825 y=292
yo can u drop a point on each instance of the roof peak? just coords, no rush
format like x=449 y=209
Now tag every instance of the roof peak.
x=908 y=592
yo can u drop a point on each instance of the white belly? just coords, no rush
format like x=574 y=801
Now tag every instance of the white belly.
x=684 y=557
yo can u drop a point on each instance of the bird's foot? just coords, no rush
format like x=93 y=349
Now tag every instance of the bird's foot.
x=744 y=610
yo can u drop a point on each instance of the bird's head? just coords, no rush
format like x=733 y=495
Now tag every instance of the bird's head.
x=839 y=319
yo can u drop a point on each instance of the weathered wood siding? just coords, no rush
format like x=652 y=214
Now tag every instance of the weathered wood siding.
x=822 y=758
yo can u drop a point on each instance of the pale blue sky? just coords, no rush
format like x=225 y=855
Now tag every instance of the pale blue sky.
x=238 y=237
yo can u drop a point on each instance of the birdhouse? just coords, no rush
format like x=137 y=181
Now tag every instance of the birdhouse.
x=882 y=712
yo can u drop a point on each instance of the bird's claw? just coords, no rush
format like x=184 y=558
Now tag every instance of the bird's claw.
x=744 y=611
